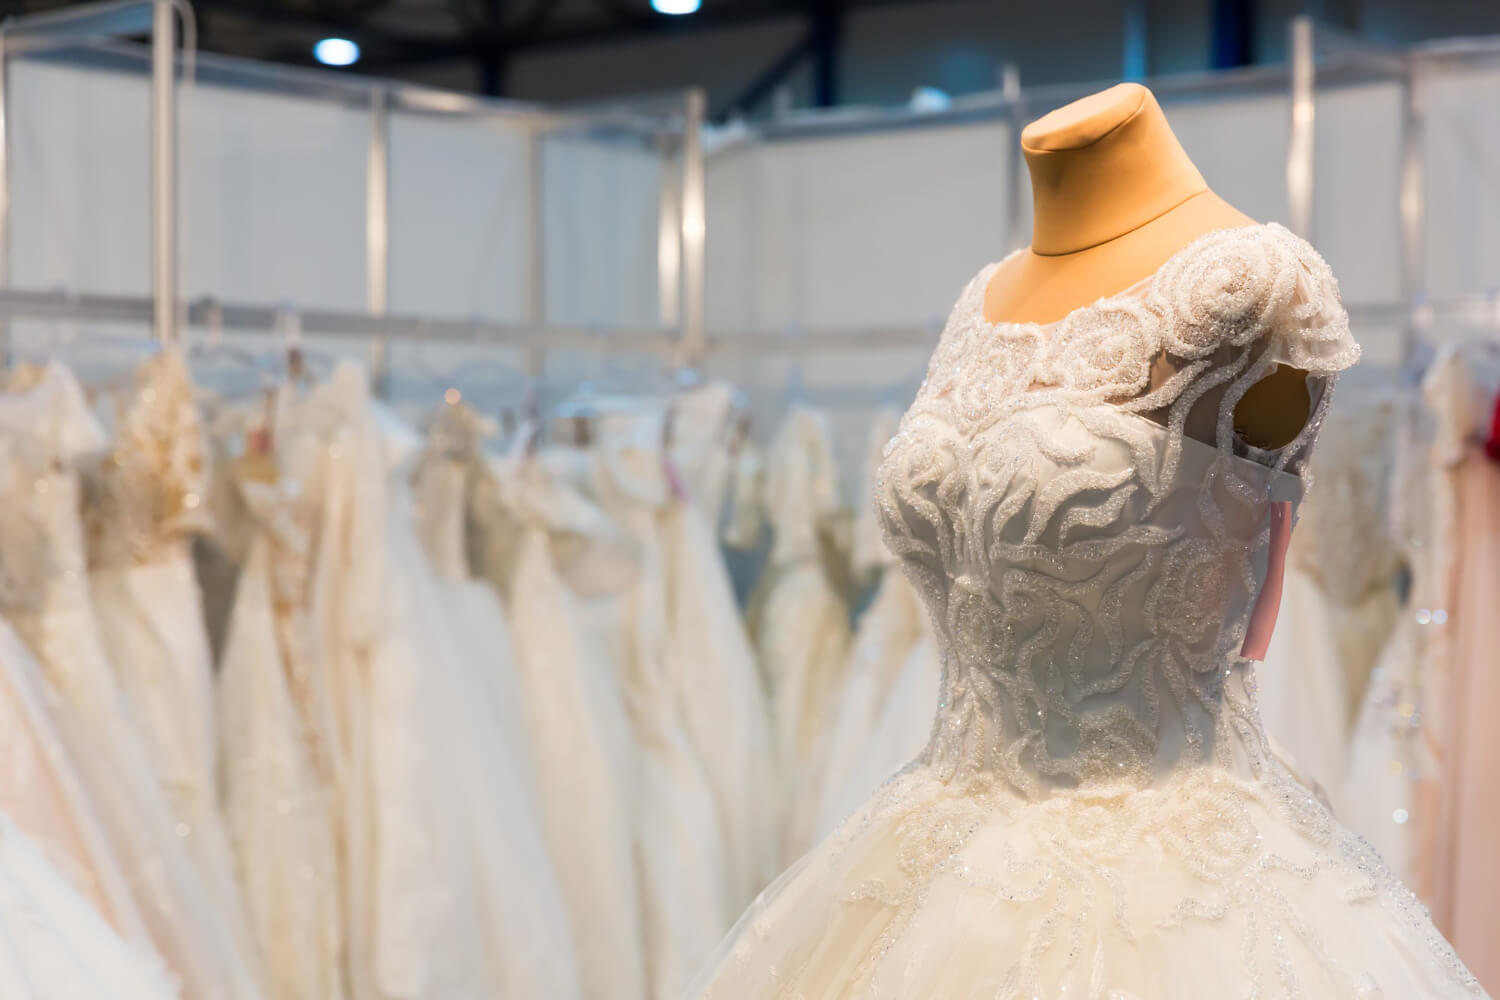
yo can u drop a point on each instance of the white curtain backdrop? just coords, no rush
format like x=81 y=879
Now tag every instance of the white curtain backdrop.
x=273 y=204
x=875 y=229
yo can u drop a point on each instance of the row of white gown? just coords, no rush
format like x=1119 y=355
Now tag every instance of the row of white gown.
x=105 y=708
x=556 y=629
x=642 y=723
x=388 y=843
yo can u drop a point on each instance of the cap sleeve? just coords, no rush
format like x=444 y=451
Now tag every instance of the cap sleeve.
x=1313 y=332
x=1254 y=284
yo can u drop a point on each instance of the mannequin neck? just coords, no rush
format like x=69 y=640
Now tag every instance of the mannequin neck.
x=1103 y=167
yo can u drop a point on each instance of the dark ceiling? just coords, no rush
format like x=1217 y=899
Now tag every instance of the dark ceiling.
x=402 y=38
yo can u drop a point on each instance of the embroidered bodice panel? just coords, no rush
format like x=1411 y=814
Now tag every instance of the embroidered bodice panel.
x=1088 y=565
x=145 y=497
x=46 y=431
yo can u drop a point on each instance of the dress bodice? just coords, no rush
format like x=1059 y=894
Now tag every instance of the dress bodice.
x=147 y=494
x=800 y=486
x=46 y=429
x=441 y=487
x=1089 y=566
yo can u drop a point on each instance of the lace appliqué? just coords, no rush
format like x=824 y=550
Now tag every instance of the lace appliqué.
x=1038 y=496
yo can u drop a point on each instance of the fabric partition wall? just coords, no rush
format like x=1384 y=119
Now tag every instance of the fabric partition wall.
x=876 y=229
x=1462 y=112
x=273 y=203
x=882 y=229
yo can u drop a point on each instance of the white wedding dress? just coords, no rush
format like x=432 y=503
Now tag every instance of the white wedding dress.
x=357 y=731
x=53 y=946
x=702 y=446
x=41 y=791
x=1339 y=602
x=800 y=622
x=1098 y=813
x=712 y=669
x=449 y=894
x=572 y=721
x=45 y=416
x=683 y=850
x=889 y=630
x=442 y=484
x=1389 y=755
x=276 y=740
x=142 y=503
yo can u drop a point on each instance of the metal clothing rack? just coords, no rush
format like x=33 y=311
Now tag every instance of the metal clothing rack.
x=1318 y=57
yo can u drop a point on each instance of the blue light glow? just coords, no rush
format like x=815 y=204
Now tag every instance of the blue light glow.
x=676 y=7
x=336 y=52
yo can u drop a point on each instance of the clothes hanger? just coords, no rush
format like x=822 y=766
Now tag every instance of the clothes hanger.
x=204 y=353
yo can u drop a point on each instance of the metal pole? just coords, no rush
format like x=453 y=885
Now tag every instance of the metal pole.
x=1133 y=58
x=669 y=240
x=694 y=227
x=5 y=344
x=378 y=206
x=164 y=170
x=378 y=233
x=1015 y=163
x=536 y=229
x=1300 y=147
x=1413 y=204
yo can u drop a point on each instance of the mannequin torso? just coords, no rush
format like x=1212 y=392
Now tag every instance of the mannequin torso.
x=1114 y=197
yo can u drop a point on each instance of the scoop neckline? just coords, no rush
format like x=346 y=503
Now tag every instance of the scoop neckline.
x=982 y=283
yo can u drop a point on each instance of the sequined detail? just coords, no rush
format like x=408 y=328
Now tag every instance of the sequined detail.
x=1042 y=493
x=147 y=495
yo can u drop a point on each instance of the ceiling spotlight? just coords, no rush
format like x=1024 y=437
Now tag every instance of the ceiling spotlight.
x=676 y=7
x=336 y=52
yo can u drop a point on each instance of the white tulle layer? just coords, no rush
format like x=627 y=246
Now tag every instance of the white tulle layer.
x=1206 y=885
x=54 y=947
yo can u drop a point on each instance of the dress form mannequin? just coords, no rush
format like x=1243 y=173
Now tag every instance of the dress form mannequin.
x=1114 y=196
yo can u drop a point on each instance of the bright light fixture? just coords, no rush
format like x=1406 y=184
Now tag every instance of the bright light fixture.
x=676 y=7
x=336 y=52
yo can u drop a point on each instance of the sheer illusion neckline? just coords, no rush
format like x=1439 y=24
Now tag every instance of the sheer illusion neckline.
x=974 y=308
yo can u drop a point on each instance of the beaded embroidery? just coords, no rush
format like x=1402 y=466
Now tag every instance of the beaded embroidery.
x=1089 y=589
x=1098 y=812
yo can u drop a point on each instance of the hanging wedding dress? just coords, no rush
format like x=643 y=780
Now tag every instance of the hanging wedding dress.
x=684 y=868
x=468 y=907
x=711 y=667
x=40 y=787
x=441 y=487
x=141 y=504
x=46 y=412
x=1456 y=865
x=53 y=946
x=1097 y=812
x=702 y=447
x=276 y=738
x=800 y=622
x=888 y=630
x=1387 y=755
x=1339 y=598
x=1300 y=685
x=571 y=722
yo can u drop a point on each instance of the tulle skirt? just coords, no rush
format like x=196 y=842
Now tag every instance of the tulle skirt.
x=54 y=947
x=1205 y=884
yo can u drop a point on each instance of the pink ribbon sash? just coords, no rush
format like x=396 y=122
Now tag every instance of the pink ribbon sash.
x=1268 y=603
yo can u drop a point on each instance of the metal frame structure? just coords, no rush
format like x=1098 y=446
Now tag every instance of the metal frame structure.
x=1319 y=58
x=672 y=124
x=91 y=25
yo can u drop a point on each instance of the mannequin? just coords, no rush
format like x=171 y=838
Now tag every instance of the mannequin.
x=1114 y=196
